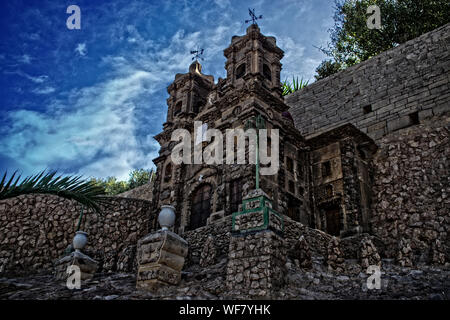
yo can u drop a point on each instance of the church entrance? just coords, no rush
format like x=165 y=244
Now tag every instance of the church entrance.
x=201 y=207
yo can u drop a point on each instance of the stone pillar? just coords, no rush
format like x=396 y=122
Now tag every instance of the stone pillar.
x=256 y=255
x=160 y=257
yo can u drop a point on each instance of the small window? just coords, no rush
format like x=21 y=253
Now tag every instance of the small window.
x=168 y=172
x=267 y=73
x=177 y=108
x=326 y=169
x=240 y=71
x=300 y=171
x=414 y=118
x=236 y=195
x=329 y=191
x=289 y=164
x=237 y=111
x=367 y=109
x=291 y=186
x=301 y=190
x=196 y=107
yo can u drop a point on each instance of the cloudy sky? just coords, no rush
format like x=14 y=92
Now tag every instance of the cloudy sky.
x=89 y=101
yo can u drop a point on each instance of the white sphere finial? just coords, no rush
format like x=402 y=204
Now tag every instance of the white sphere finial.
x=166 y=217
x=80 y=240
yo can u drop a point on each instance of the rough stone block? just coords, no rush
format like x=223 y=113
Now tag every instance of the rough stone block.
x=160 y=257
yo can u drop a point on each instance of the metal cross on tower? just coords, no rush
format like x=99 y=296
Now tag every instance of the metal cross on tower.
x=197 y=54
x=253 y=16
x=256 y=122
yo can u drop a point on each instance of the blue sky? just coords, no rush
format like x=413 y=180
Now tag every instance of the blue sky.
x=90 y=101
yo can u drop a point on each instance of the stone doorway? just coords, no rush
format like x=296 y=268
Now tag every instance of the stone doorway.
x=333 y=218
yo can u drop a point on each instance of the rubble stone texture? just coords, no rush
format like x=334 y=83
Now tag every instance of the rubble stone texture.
x=160 y=257
x=404 y=253
x=335 y=259
x=301 y=254
x=424 y=283
x=220 y=230
x=208 y=255
x=368 y=254
x=257 y=253
x=438 y=252
x=411 y=189
x=256 y=264
x=36 y=229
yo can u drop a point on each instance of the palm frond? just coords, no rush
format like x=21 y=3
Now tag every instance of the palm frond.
x=296 y=85
x=70 y=187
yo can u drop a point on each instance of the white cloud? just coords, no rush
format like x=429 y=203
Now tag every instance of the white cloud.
x=25 y=59
x=45 y=90
x=38 y=79
x=96 y=134
x=106 y=129
x=35 y=79
x=81 y=49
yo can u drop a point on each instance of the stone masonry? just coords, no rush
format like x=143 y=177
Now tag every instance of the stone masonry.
x=396 y=89
x=35 y=230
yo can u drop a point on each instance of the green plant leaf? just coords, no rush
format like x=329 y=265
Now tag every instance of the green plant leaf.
x=86 y=193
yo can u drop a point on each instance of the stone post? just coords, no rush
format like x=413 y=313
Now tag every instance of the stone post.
x=87 y=265
x=160 y=258
x=256 y=255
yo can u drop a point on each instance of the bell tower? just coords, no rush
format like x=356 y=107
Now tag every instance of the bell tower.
x=188 y=93
x=251 y=56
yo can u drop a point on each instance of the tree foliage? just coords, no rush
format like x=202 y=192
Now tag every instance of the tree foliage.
x=113 y=186
x=327 y=68
x=401 y=20
x=139 y=177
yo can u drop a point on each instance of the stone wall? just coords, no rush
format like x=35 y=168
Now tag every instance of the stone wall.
x=36 y=229
x=220 y=231
x=393 y=90
x=412 y=187
x=316 y=239
x=144 y=192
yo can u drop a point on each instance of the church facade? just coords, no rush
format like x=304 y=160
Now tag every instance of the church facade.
x=323 y=182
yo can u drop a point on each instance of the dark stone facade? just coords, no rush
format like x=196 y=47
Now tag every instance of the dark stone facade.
x=335 y=201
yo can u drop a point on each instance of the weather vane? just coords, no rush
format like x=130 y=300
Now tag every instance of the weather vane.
x=253 y=16
x=197 y=54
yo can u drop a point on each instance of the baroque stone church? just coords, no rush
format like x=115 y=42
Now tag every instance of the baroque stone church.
x=323 y=182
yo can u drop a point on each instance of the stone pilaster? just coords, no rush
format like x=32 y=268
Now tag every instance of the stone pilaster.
x=256 y=257
x=160 y=257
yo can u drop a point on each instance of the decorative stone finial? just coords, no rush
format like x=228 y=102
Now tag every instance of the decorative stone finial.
x=80 y=240
x=166 y=217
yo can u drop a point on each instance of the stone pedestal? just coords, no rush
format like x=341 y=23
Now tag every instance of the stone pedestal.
x=160 y=257
x=87 y=266
x=256 y=256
